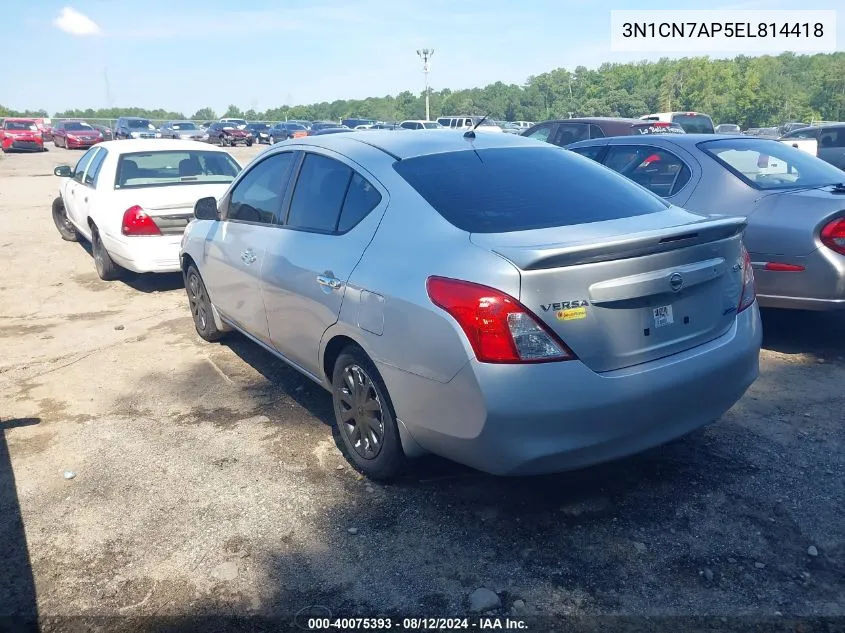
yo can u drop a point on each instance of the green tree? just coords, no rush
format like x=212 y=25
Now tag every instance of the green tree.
x=205 y=114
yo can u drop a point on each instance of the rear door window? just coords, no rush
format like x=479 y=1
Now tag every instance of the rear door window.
x=319 y=194
x=568 y=133
x=596 y=131
x=520 y=188
x=655 y=169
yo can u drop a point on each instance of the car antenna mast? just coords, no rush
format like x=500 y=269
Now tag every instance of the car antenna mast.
x=471 y=132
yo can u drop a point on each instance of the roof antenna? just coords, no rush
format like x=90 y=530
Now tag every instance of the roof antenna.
x=471 y=132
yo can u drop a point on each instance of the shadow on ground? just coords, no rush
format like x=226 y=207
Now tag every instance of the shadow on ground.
x=18 y=607
x=803 y=332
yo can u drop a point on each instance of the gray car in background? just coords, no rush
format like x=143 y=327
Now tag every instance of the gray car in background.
x=128 y=127
x=185 y=130
x=794 y=204
x=495 y=300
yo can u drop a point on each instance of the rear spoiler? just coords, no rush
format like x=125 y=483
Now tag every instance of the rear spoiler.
x=538 y=257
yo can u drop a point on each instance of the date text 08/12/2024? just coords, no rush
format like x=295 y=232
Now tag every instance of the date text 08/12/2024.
x=415 y=624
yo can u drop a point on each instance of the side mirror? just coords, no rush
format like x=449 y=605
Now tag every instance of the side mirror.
x=63 y=171
x=206 y=209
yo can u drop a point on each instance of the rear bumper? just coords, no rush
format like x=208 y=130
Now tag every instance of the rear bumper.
x=152 y=254
x=530 y=419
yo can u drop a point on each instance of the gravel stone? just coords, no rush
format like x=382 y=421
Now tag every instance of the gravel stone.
x=483 y=599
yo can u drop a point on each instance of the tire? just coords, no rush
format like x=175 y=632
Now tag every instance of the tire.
x=357 y=388
x=106 y=268
x=249 y=143
x=200 y=306
x=272 y=140
x=65 y=228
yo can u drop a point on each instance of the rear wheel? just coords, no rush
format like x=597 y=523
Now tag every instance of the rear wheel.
x=364 y=415
x=272 y=140
x=66 y=229
x=106 y=268
x=200 y=305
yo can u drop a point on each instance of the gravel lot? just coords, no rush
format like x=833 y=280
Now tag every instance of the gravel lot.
x=207 y=479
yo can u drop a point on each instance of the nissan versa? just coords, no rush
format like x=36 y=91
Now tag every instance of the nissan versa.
x=495 y=300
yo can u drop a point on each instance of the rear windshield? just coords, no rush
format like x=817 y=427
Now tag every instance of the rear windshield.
x=694 y=123
x=177 y=167
x=183 y=126
x=768 y=164
x=136 y=123
x=521 y=188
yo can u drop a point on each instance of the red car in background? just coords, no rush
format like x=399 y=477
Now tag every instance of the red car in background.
x=75 y=134
x=44 y=126
x=21 y=135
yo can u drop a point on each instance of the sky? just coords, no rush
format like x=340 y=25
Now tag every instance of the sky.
x=261 y=54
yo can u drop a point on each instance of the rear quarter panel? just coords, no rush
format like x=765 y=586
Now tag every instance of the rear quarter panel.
x=412 y=243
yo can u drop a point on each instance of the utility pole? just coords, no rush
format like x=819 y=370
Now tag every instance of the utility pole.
x=425 y=55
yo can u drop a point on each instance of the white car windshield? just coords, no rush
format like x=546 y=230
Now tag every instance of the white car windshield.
x=176 y=167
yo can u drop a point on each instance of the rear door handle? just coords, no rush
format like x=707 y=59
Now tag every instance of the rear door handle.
x=248 y=256
x=329 y=282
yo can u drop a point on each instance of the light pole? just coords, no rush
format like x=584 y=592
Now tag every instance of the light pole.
x=426 y=54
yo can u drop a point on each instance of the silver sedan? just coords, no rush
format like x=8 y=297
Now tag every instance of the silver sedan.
x=494 y=300
x=794 y=204
x=184 y=130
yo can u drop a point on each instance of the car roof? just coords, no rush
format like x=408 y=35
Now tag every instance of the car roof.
x=680 y=140
x=596 y=119
x=817 y=127
x=420 y=143
x=156 y=145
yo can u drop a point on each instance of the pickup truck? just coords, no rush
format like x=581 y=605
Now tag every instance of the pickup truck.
x=825 y=141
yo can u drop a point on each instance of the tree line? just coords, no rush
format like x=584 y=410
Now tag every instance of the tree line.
x=750 y=91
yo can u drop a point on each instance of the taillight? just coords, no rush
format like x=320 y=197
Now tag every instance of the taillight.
x=499 y=328
x=749 y=293
x=833 y=236
x=136 y=222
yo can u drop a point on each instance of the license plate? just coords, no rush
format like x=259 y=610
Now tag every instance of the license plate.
x=663 y=316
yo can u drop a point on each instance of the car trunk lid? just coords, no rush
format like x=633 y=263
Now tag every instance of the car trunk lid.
x=629 y=291
x=172 y=207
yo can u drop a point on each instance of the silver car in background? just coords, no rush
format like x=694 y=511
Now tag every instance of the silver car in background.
x=184 y=130
x=793 y=203
x=495 y=300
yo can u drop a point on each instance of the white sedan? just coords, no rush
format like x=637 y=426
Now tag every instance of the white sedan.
x=132 y=201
